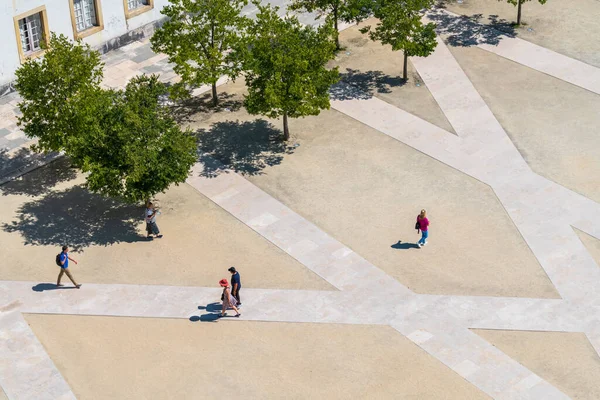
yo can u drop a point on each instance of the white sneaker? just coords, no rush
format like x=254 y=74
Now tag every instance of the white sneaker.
x=424 y=243
x=419 y=244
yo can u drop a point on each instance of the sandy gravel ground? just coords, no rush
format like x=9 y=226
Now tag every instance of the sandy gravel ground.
x=553 y=123
x=591 y=244
x=376 y=69
x=201 y=240
x=177 y=359
x=566 y=360
x=365 y=189
x=569 y=27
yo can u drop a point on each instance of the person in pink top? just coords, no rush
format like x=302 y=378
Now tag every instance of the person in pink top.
x=228 y=300
x=423 y=225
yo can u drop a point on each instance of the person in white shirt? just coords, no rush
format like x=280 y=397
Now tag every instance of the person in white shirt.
x=151 y=227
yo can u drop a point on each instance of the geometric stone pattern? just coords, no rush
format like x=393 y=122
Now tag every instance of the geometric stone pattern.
x=543 y=212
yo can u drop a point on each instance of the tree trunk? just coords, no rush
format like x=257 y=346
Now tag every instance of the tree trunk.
x=286 y=130
x=215 y=98
x=519 y=12
x=335 y=26
x=404 y=71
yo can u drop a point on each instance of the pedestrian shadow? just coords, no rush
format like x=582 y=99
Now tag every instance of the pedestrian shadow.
x=40 y=181
x=465 y=31
x=77 y=218
x=362 y=85
x=214 y=313
x=404 y=246
x=41 y=287
x=246 y=147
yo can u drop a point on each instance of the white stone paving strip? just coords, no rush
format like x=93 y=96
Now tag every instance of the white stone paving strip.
x=26 y=370
x=175 y=302
x=542 y=211
x=539 y=58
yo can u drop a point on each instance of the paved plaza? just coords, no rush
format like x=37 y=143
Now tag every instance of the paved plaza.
x=495 y=134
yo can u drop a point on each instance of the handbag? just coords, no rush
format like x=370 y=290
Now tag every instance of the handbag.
x=417 y=225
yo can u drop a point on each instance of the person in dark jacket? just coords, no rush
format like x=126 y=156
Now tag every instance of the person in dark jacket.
x=236 y=285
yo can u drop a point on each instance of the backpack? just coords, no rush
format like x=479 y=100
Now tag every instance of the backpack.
x=58 y=260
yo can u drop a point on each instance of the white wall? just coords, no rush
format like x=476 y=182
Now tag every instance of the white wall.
x=59 y=21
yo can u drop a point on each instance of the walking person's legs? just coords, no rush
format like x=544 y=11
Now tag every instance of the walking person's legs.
x=71 y=277
x=424 y=238
x=237 y=297
x=60 y=274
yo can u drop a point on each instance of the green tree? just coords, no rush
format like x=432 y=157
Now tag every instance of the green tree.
x=142 y=150
x=198 y=37
x=124 y=139
x=401 y=27
x=285 y=67
x=518 y=4
x=61 y=94
x=335 y=10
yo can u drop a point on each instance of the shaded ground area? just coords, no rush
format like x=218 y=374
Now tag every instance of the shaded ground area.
x=377 y=71
x=569 y=27
x=553 y=124
x=566 y=360
x=365 y=189
x=591 y=244
x=471 y=30
x=201 y=240
x=260 y=360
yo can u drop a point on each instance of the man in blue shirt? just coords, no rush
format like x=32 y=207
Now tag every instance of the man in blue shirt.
x=236 y=284
x=64 y=267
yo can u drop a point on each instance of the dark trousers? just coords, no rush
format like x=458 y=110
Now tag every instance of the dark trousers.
x=236 y=294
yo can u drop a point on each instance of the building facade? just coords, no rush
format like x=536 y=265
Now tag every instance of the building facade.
x=104 y=24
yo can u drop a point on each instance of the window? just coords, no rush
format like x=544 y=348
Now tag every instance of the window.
x=85 y=14
x=86 y=17
x=31 y=30
x=137 y=7
x=31 y=33
x=133 y=4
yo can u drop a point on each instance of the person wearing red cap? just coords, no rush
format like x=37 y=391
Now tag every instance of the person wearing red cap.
x=228 y=299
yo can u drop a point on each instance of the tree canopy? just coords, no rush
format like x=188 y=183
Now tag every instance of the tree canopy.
x=286 y=72
x=199 y=36
x=401 y=27
x=60 y=94
x=124 y=140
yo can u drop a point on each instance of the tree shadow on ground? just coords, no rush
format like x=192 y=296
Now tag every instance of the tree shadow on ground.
x=184 y=110
x=246 y=147
x=42 y=180
x=77 y=218
x=464 y=31
x=355 y=84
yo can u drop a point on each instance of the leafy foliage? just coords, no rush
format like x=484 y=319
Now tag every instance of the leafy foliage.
x=285 y=67
x=124 y=139
x=518 y=4
x=198 y=38
x=60 y=94
x=401 y=27
x=142 y=150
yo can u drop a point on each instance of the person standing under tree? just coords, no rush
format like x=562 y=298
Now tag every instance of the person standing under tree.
x=423 y=225
x=151 y=227
x=236 y=285
x=63 y=261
